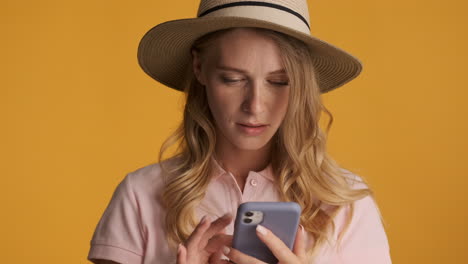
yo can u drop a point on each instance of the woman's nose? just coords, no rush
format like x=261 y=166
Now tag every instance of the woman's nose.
x=254 y=100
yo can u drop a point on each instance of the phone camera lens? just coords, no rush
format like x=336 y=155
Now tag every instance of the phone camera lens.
x=249 y=214
x=247 y=220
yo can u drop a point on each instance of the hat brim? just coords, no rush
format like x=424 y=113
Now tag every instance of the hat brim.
x=164 y=51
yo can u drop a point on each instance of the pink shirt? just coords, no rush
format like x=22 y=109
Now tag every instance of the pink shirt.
x=130 y=230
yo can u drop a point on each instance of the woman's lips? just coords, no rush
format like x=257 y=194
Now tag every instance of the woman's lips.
x=252 y=130
x=252 y=124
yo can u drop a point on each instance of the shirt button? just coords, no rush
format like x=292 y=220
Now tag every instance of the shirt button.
x=253 y=182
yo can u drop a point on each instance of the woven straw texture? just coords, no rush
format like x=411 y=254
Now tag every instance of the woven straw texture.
x=164 y=51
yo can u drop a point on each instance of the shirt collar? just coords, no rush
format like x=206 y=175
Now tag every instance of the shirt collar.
x=218 y=170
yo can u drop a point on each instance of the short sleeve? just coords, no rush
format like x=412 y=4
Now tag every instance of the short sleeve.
x=119 y=234
x=365 y=240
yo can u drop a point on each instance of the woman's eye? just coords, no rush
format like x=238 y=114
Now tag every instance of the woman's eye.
x=228 y=80
x=278 y=83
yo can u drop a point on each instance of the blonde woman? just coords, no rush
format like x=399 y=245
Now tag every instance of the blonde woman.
x=252 y=75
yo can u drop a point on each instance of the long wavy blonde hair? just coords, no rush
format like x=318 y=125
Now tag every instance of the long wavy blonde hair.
x=305 y=173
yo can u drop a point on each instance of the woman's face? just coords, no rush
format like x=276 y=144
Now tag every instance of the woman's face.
x=246 y=86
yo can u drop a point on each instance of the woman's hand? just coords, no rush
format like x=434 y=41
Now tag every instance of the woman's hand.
x=277 y=247
x=206 y=242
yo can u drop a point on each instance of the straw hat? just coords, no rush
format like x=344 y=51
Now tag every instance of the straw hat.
x=164 y=51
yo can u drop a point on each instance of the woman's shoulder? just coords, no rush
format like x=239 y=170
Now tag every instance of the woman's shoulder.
x=149 y=177
x=366 y=205
x=355 y=180
x=359 y=228
x=145 y=175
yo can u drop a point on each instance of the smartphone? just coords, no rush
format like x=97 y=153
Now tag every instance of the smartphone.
x=282 y=218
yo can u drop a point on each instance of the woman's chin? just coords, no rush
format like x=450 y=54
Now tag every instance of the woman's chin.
x=250 y=144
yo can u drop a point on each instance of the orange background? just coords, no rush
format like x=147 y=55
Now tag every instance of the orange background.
x=78 y=113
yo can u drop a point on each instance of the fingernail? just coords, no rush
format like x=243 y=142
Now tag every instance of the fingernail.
x=210 y=218
x=262 y=230
x=179 y=248
x=227 y=215
x=203 y=220
x=226 y=250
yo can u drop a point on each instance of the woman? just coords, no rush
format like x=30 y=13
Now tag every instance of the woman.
x=250 y=132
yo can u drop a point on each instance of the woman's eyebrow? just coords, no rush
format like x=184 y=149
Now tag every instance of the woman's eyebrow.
x=227 y=68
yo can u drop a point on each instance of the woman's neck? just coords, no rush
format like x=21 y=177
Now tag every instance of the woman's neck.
x=240 y=161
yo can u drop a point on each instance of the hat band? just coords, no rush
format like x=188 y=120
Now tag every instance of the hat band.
x=255 y=3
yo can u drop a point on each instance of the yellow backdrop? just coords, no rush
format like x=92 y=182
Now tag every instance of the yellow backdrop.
x=78 y=113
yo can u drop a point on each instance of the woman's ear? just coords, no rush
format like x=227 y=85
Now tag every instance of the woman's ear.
x=196 y=64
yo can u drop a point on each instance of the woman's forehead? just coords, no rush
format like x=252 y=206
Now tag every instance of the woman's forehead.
x=243 y=48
